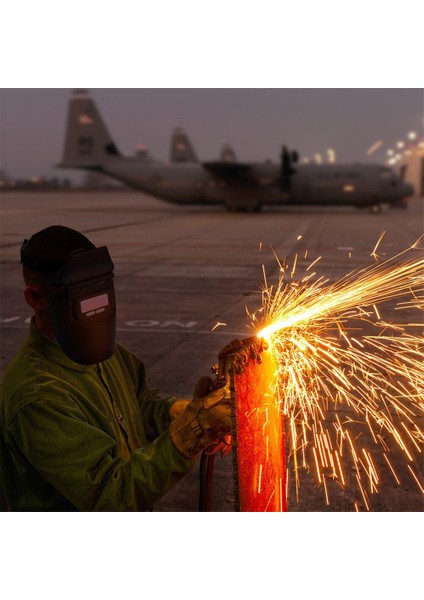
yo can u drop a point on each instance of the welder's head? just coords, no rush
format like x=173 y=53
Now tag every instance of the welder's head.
x=70 y=285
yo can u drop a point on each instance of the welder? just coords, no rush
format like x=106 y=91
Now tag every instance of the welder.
x=80 y=428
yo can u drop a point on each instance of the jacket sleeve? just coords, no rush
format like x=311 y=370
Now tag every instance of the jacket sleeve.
x=77 y=459
x=154 y=408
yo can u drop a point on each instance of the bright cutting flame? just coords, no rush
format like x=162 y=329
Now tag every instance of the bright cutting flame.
x=330 y=362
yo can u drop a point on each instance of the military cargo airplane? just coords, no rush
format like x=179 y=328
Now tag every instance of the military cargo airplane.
x=236 y=185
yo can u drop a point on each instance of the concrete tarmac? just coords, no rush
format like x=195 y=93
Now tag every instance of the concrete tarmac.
x=181 y=270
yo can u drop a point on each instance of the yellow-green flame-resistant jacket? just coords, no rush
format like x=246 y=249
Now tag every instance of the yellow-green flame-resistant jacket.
x=83 y=438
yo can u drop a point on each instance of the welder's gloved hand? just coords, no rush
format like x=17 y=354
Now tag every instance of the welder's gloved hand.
x=223 y=446
x=205 y=421
x=177 y=408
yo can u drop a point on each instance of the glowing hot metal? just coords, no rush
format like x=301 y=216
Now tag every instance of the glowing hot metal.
x=258 y=440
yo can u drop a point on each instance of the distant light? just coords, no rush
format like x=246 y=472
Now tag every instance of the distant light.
x=374 y=147
x=331 y=154
x=318 y=158
x=390 y=152
x=412 y=135
x=348 y=188
x=400 y=144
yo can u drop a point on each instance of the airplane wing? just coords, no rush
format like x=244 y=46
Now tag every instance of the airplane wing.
x=227 y=169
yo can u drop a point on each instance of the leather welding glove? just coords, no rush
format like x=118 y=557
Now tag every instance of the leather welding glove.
x=177 y=408
x=205 y=421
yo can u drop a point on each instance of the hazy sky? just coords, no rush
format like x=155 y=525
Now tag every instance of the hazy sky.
x=256 y=122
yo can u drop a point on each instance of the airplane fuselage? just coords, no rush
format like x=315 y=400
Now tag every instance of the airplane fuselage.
x=177 y=183
x=192 y=183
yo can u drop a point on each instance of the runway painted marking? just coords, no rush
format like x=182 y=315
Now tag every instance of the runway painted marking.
x=148 y=323
x=128 y=325
x=226 y=333
x=10 y=320
x=137 y=326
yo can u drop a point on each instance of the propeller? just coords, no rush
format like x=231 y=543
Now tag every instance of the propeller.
x=402 y=172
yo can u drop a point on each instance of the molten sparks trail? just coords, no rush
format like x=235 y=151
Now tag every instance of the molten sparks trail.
x=218 y=324
x=329 y=365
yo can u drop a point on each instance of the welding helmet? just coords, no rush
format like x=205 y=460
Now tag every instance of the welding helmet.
x=81 y=301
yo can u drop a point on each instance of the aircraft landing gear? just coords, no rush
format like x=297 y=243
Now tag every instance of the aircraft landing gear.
x=255 y=208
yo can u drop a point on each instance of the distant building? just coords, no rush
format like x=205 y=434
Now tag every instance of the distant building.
x=39 y=183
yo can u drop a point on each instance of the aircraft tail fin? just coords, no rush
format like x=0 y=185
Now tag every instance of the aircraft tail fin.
x=181 y=149
x=88 y=143
x=228 y=154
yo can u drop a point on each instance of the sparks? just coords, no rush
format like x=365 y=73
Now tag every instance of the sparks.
x=218 y=324
x=318 y=332
x=374 y=252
